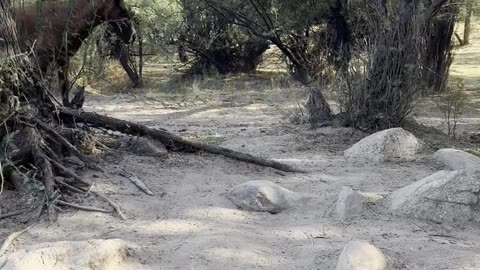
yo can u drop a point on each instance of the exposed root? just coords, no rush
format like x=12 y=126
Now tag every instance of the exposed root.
x=14 y=213
x=71 y=148
x=42 y=162
x=68 y=172
x=70 y=187
x=78 y=190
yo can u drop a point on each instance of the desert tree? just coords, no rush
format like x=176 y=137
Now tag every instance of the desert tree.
x=314 y=38
x=215 y=43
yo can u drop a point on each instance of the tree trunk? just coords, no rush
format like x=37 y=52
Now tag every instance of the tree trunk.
x=318 y=109
x=438 y=56
x=468 y=16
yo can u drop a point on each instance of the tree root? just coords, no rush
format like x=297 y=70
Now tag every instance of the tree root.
x=14 y=213
x=171 y=141
x=72 y=149
x=81 y=191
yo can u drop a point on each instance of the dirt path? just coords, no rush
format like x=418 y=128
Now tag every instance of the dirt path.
x=189 y=224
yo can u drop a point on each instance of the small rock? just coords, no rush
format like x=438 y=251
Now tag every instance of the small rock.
x=349 y=203
x=264 y=196
x=394 y=144
x=360 y=255
x=457 y=160
x=145 y=147
x=443 y=196
x=79 y=255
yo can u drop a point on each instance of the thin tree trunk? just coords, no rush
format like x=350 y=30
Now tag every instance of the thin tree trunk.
x=140 y=54
x=468 y=24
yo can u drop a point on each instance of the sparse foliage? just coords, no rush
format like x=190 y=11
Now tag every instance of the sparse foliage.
x=452 y=104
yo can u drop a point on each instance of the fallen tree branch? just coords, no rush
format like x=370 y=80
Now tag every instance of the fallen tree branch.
x=171 y=141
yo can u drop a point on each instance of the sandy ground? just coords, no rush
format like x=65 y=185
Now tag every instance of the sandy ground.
x=189 y=224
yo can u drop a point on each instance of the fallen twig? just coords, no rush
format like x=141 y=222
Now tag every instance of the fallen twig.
x=139 y=183
x=81 y=207
x=114 y=205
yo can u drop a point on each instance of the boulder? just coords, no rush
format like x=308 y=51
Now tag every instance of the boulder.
x=78 y=255
x=457 y=160
x=360 y=255
x=264 y=196
x=394 y=144
x=349 y=203
x=443 y=196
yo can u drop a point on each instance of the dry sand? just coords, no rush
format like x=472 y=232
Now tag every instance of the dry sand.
x=189 y=224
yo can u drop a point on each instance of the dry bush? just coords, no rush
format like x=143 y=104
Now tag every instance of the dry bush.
x=452 y=103
x=384 y=79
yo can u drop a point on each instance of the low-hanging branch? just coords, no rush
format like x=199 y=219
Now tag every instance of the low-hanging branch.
x=172 y=142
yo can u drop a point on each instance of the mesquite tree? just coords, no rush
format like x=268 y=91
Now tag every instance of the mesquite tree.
x=215 y=43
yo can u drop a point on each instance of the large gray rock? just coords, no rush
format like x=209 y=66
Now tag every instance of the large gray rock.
x=394 y=144
x=360 y=255
x=443 y=196
x=349 y=203
x=264 y=196
x=457 y=160
x=81 y=255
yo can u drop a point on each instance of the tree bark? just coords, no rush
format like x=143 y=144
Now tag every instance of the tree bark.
x=8 y=34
